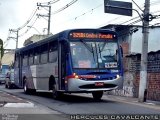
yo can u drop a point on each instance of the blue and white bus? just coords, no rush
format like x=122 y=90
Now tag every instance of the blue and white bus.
x=72 y=61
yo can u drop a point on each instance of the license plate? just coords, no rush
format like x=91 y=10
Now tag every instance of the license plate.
x=99 y=84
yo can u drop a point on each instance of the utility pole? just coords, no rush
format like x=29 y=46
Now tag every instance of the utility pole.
x=49 y=19
x=16 y=38
x=144 y=56
x=48 y=15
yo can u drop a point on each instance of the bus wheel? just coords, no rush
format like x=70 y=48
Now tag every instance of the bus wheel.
x=55 y=93
x=6 y=86
x=97 y=95
x=26 y=90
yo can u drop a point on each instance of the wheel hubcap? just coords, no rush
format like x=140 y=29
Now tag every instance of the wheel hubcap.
x=25 y=88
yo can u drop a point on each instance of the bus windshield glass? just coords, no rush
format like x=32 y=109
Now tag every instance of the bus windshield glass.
x=94 y=54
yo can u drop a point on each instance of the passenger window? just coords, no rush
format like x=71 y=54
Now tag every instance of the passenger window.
x=36 y=55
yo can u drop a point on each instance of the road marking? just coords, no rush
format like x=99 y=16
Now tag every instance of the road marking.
x=1 y=104
x=20 y=105
x=150 y=103
x=19 y=98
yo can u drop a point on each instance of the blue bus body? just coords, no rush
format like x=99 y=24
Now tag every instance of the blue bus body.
x=77 y=60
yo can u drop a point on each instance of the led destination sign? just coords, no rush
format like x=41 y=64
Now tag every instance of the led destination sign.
x=92 y=35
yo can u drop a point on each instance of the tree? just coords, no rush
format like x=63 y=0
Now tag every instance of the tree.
x=1 y=48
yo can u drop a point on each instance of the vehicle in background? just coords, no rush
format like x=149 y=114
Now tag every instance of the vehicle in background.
x=5 y=69
x=9 y=81
x=2 y=78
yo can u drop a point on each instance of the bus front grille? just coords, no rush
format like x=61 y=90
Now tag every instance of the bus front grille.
x=92 y=86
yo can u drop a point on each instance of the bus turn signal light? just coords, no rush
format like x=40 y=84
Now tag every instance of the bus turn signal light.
x=74 y=75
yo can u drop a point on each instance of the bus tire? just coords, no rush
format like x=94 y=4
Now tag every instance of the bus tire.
x=26 y=90
x=6 y=86
x=55 y=93
x=10 y=86
x=97 y=95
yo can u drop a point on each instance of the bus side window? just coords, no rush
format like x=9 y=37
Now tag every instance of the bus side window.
x=25 y=58
x=31 y=52
x=17 y=60
x=36 y=55
x=53 y=51
x=44 y=53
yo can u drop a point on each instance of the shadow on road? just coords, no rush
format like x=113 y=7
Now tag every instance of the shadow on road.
x=73 y=98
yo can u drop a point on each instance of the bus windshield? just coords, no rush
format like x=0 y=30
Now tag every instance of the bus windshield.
x=94 y=54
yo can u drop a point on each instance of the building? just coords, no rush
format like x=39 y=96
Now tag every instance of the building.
x=34 y=38
x=130 y=38
x=7 y=61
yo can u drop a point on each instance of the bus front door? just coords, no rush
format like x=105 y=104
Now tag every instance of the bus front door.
x=62 y=66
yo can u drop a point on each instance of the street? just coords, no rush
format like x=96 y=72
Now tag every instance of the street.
x=85 y=104
x=104 y=54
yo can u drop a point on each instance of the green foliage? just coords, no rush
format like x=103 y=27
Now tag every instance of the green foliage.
x=1 y=48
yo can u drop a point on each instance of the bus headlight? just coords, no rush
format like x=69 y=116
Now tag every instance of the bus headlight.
x=118 y=76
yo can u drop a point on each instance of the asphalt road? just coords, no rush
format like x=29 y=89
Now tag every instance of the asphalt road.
x=85 y=104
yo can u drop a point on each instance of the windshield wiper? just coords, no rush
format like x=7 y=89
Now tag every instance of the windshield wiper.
x=89 y=48
x=86 y=46
x=100 y=50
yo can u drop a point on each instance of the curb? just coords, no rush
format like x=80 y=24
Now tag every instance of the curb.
x=10 y=100
x=20 y=105
x=134 y=101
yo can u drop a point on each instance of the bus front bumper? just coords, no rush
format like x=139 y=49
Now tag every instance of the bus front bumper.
x=78 y=85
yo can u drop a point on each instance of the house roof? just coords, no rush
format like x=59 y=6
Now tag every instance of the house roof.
x=7 y=58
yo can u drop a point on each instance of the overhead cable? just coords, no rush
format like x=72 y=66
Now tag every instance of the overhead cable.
x=31 y=17
x=28 y=28
x=50 y=2
x=66 y=6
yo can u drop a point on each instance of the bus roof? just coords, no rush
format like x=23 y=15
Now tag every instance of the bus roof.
x=61 y=36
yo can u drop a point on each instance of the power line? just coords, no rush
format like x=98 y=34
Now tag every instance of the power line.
x=89 y=11
x=153 y=3
x=137 y=5
x=31 y=17
x=50 y=2
x=28 y=21
x=29 y=28
x=48 y=15
x=75 y=18
x=18 y=29
x=66 y=6
x=16 y=38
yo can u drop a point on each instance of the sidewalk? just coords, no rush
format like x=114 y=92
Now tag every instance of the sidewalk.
x=6 y=98
x=131 y=100
x=10 y=104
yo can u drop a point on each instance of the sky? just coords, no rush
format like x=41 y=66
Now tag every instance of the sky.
x=82 y=14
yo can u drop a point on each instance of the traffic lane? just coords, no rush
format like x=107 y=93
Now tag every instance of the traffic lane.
x=85 y=104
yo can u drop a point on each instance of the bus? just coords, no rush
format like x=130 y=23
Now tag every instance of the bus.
x=72 y=61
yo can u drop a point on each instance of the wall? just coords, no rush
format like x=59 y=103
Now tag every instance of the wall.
x=153 y=70
x=132 y=76
x=131 y=43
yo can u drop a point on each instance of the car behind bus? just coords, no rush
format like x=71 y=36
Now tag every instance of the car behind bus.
x=9 y=81
x=2 y=78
